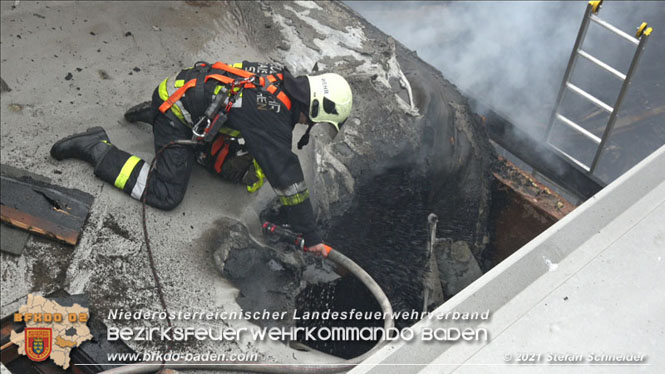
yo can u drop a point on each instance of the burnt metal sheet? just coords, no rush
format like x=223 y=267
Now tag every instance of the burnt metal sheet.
x=45 y=209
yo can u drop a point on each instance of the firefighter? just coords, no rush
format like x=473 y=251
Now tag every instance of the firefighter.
x=264 y=102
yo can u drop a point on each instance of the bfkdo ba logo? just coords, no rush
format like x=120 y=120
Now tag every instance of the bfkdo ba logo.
x=38 y=343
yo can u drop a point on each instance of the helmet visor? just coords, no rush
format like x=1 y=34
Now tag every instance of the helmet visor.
x=329 y=106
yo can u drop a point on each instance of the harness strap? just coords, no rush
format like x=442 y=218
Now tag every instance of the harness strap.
x=176 y=96
x=166 y=105
x=281 y=96
x=197 y=100
x=220 y=78
x=272 y=89
x=225 y=147
x=239 y=72
x=274 y=78
x=217 y=145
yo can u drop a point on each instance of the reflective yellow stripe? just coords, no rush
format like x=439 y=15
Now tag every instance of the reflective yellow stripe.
x=259 y=173
x=163 y=92
x=230 y=132
x=294 y=199
x=179 y=83
x=178 y=113
x=237 y=65
x=126 y=171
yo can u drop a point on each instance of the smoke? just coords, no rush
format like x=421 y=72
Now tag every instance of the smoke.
x=511 y=56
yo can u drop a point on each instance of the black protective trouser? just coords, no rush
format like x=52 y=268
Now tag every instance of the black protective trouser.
x=169 y=180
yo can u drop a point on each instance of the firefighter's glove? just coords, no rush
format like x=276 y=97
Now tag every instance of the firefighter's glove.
x=320 y=249
x=250 y=177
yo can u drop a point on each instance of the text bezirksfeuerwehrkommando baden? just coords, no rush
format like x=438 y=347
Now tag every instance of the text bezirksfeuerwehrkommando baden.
x=350 y=333
x=296 y=333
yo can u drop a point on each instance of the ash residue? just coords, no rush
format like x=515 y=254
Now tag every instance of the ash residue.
x=49 y=261
x=111 y=224
x=268 y=278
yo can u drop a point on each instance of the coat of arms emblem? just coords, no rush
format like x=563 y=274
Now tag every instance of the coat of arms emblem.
x=38 y=343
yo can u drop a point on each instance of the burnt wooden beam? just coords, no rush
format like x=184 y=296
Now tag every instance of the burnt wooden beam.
x=37 y=225
x=521 y=209
x=52 y=211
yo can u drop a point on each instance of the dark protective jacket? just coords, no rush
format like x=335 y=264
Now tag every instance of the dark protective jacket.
x=265 y=122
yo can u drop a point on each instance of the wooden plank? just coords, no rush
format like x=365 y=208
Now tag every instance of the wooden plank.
x=9 y=353
x=521 y=209
x=45 y=209
x=529 y=189
x=37 y=225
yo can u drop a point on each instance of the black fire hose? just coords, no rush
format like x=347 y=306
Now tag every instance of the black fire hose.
x=323 y=368
x=271 y=368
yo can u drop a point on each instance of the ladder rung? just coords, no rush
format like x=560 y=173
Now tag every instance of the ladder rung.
x=603 y=65
x=573 y=159
x=614 y=30
x=589 y=97
x=578 y=128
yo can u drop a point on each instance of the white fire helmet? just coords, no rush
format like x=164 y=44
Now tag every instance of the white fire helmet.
x=330 y=99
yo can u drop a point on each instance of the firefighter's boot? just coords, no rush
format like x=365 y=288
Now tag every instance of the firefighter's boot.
x=140 y=113
x=90 y=146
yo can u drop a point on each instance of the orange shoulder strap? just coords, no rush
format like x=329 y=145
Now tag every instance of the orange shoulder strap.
x=232 y=70
x=176 y=96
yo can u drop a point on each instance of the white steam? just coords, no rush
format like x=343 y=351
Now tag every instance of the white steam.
x=509 y=55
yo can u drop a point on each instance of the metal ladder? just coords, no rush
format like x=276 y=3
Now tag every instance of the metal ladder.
x=639 y=40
